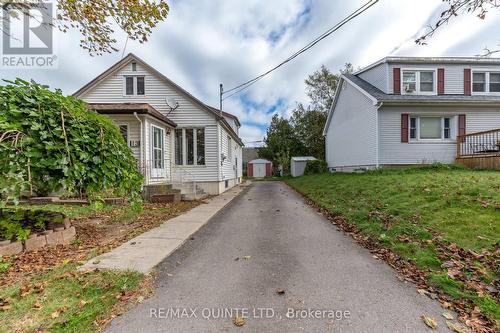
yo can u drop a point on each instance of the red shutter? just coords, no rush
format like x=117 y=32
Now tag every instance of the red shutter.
x=440 y=81
x=404 y=127
x=269 y=171
x=396 y=75
x=467 y=83
x=462 y=128
x=250 y=170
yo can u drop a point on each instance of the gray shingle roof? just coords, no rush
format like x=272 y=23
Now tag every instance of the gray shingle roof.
x=380 y=96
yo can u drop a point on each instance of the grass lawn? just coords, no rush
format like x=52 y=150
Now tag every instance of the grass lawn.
x=446 y=220
x=42 y=291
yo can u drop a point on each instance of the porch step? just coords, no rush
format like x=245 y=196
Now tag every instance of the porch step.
x=160 y=191
x=165 y=198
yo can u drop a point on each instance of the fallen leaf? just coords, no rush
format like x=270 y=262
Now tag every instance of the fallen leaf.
x=55 y=314
x=238 y=321
x=431 y=322
x=95 y=262
x=247 y=257
x=280 y=291
x=456 y=327
x=446 y=305
x=422 y=291
x=83 y=302
x=448 y=315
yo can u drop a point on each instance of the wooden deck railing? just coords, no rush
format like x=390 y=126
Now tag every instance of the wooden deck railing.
x=486 y=143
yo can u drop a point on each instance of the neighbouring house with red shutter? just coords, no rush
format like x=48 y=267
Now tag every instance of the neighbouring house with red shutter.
x=414 y=110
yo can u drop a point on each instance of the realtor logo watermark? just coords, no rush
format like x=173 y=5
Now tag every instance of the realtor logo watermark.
x=28 y=38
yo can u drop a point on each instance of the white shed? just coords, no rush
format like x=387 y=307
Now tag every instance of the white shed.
x=298 y=165
x=260 y=168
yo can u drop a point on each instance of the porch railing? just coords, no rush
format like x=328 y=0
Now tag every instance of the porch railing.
x=486 y=143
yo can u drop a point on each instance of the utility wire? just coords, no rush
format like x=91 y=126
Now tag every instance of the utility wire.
x=327 y=33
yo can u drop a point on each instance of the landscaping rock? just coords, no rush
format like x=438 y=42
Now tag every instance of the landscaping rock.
x=54 y=238
x=11 y=249
x=68 y=235
x=43 y=200
x=35 y=243
x=165 y=198
x=67 y=223
x=115 y=201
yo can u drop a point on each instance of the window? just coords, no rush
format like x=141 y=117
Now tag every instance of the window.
x=479 y=82
x=413 y=128
x=190 y=146
x=494 y=82
x=409 y=81
x=200 y=146
x=415 y=81
x=124 y=132
x=140 y=85
x=229 y=148
x=135 y=85
x=134 y=67
x=158 y=162
x=129 y=85
x=427 y=81
x=178 y=147
x=430 y=128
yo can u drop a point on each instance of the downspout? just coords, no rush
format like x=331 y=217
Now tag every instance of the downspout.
x=141 y=144
x=378 y=105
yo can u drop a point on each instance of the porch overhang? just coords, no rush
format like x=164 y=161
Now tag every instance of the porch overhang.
x=130 y=108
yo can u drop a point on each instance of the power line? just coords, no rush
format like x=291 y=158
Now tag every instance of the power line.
x=327 y=33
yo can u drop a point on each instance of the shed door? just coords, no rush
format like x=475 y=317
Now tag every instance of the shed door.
x=259 y=170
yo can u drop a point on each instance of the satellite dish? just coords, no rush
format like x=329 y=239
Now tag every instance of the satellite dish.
x=171 y=103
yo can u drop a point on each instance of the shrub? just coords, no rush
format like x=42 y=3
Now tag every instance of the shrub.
x=316 y=166
x=50 y=142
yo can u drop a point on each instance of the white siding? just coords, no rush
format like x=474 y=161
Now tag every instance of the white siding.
x=393 y=151
x=351 y=138
x=134 y=129
x=377 y=76
x=229 y=167
x=187 y=115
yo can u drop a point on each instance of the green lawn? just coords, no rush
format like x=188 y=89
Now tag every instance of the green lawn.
x=418 y=213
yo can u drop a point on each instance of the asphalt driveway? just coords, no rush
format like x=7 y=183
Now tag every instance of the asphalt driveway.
x=268 y=239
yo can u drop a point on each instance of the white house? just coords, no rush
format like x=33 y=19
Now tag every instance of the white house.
x=176 y=138
x=409 y=110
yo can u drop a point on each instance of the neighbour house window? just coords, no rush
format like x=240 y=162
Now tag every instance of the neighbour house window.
x=479 y=82
x=135 y=85
x=193 y=141
x=418 y=82
x=486 y=82
x=178 y=147
x=229 y=150
x=124 y=132
x=430 y=128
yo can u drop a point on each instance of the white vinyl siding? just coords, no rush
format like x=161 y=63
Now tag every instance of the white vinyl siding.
x=351 y=138
x=233 y=152
x=134 y=129
x=393 y=151
x=377 y=76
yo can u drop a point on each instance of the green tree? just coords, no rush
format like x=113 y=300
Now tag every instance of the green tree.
x=280 y=139
x=50 y=142
x=96 y=19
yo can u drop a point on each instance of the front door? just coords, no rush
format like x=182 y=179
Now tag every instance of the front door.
x=259 y=170
x=158 y=152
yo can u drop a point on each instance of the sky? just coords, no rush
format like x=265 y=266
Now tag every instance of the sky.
x=203 y=43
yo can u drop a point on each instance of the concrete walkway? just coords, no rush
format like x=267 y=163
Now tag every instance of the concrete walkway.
x=147 y=250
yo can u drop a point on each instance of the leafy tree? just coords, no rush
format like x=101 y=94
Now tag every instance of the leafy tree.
x=459 y=7
x=95 y=19
x=281 y=139
x=50 y=142
x=308 y=125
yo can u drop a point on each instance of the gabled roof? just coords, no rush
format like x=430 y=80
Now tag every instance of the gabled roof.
x=226 y=114
x=130 y=108
x=132 y=57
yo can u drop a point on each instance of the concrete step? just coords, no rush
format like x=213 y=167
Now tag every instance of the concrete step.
x=148 y=191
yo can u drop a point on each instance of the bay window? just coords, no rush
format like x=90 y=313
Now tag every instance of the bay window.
x=189 y=146
x=430 y=128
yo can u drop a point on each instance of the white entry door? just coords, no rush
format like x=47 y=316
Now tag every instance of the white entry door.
x=259 y=170
x=158 y=152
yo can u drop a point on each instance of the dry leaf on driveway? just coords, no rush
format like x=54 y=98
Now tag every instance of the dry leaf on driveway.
x=431 y=322
x=238 y=321
x=448 y=315
x=456 y=327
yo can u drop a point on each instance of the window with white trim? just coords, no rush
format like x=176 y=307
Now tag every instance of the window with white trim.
x=430 y=128
x=189 y=146
x=124 y=132
x=135 y=85
x=418 y=82
x=485 y=82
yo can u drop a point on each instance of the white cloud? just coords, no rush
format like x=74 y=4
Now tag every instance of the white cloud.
x=206 y=42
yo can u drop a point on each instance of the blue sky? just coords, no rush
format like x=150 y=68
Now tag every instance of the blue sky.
x=206 y=42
